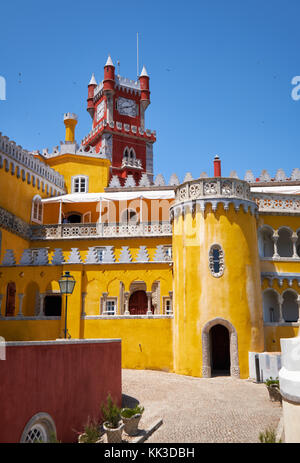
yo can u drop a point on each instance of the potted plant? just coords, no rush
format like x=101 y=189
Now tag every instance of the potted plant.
x=274 y=390
x=131 y=418
x=113 y=425
x=91 y=432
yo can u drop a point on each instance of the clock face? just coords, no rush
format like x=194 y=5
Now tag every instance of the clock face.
x=100 y=110
x=127 y=107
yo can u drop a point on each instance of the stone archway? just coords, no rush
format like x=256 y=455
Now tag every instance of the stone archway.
x=206 y=348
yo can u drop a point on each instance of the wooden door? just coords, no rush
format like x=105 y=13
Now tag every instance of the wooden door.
x=138 y=303
x=10 y=299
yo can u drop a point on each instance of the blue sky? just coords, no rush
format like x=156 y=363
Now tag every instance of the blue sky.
x=220 y=76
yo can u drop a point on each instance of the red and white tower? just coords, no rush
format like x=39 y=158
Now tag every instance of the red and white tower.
x=117 y=106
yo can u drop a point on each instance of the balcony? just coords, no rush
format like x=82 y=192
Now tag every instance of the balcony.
x=100 y=230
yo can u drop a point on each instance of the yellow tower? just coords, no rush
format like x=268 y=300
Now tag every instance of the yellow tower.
x=217 y=287
x=70 y=121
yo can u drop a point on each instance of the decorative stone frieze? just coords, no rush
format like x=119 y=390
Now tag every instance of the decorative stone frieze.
x=104 y=230
x=125 y=256
x=142 y=255
x=74 y=257
x=58 y=257
x=9 y=258
x=16 y=157
x=274 y=203
x=281 y=277
x=160 y=254
x=14 y=224
x=213 y=191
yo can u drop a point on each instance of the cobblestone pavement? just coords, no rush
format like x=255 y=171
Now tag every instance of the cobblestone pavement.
x=220 y=409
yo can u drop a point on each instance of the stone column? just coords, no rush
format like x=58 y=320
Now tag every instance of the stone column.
x=1 y=299
x=126 y=300
x=42 y=311
x=171 y=300
x=104 y=299
x=294 y=239
x=20 y=314
x=280 y=300
x=275 y=239
x=83 y=296
x=149 y=297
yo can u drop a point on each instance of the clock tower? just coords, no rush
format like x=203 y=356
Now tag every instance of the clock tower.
x=117 y=107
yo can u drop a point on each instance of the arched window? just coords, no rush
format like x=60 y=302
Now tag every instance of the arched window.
x=271 y=306
x=265 y=242
x=284 y=243
x=37 y=209
x=290 y=308
x=80 y=184
x=132 y=154
x=216 y=260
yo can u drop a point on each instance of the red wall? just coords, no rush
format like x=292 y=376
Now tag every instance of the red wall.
x=68 y=380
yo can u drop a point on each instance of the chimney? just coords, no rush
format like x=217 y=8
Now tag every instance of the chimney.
x=217 y=167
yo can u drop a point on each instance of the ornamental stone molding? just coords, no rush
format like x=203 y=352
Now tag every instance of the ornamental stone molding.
x=14 y=224
x=18 y=158
x=213 y=191
x=280 y=277
x=272 y=203
x=206 y=350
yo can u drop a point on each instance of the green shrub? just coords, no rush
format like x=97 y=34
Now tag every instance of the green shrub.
x=111 y=413
x=271 y=381
x=268 y=437
x=91 y=432
x=129 y=412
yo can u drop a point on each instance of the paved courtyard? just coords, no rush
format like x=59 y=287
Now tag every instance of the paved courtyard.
x=220 y=409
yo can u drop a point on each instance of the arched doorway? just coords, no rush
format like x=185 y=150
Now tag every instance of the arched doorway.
x=210 y=340
x=220 y=350
x=138 y=303
x=52 y=306
x=74 y=217
x=10 y=299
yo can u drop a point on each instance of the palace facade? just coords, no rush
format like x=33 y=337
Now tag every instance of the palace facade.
x=192 y=275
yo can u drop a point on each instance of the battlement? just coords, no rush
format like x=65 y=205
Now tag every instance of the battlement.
x=72 y=148
x=150 y=135
x=121 y=83
x=72 y=116
x=21 y=157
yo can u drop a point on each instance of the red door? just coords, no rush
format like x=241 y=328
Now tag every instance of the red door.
x=138 y=303
x=10 y=299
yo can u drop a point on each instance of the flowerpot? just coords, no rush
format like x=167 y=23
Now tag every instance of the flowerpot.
x=131 y=424
x=114 y=435
x=274 y=393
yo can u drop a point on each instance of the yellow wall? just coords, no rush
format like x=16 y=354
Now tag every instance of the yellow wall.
x=13 y=190
x=96 y=169
x=200 y=297
x=146 y=343
x=14 y=242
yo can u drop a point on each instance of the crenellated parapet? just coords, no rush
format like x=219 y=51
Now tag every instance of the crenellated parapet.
x=118 y=127
x=213 y=191
x=25 y=164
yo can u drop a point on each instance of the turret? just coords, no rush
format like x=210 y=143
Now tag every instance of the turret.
x=109 y=76
x=90 y=99
x=144 y=84
x=70 y=121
